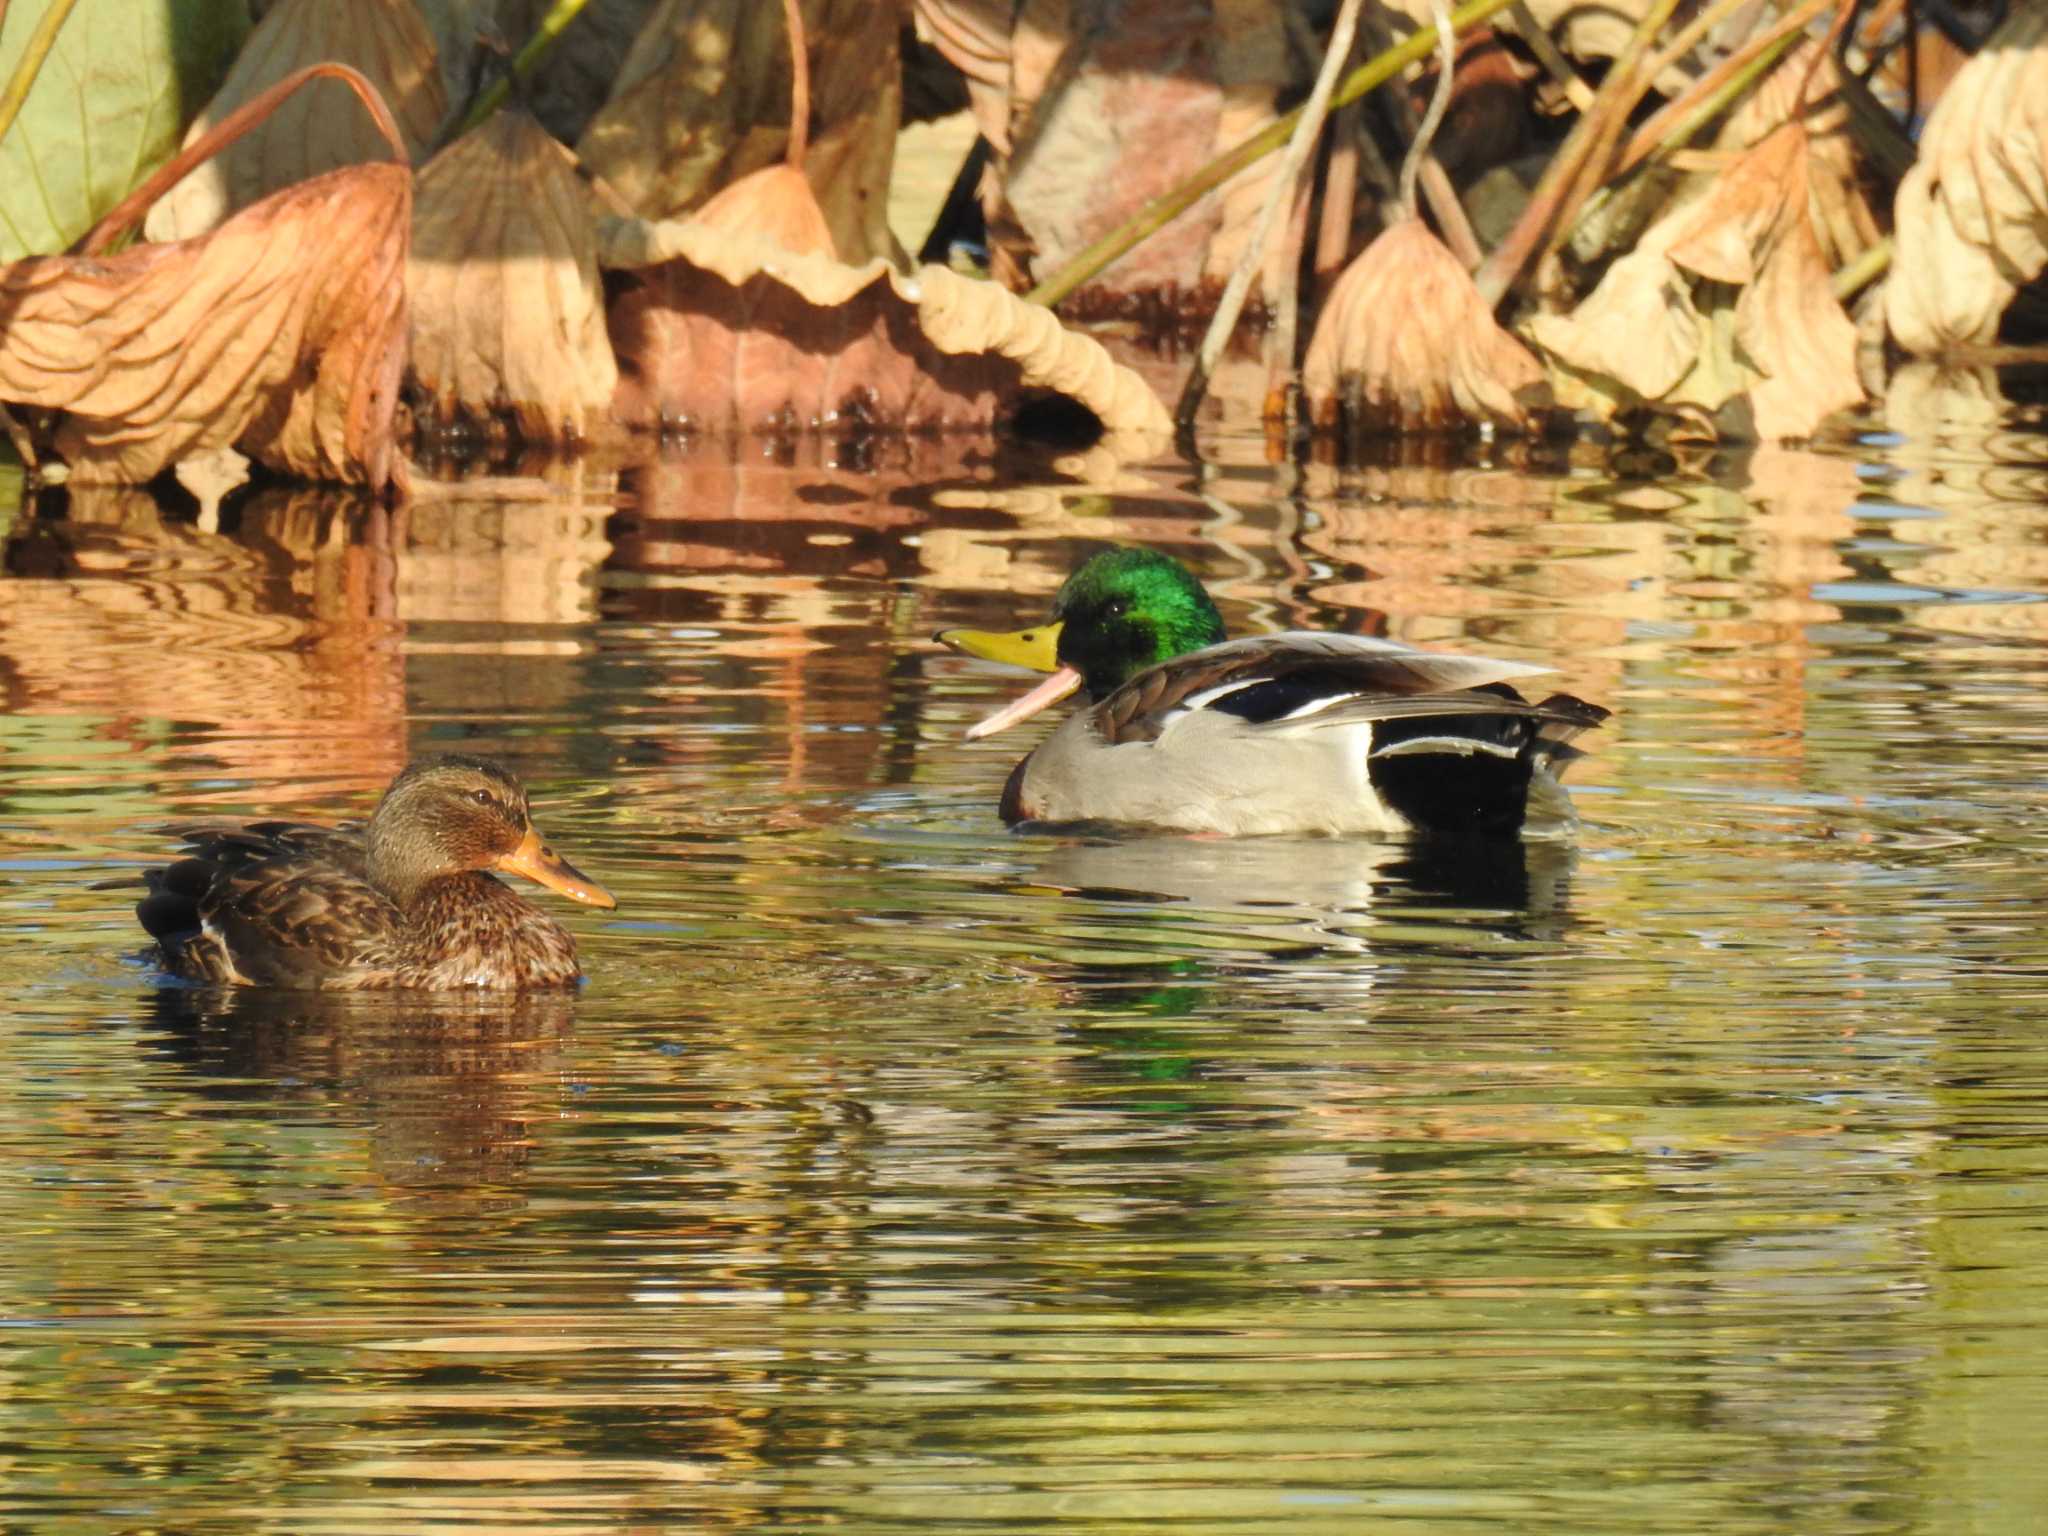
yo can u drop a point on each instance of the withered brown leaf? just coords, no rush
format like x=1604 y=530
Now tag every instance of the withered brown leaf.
x=1842 y=215
x=703 y=99
x=318 y=129
x=1725 y=295
x=731 y=335
x=1405 y=342
x=507 y=303
x=1972 y=213
x=281 y=333
x=775 y=204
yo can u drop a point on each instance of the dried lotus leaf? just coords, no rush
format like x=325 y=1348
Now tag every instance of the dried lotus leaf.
x=974 y=37
x=1727 y=234
x=507 y=303
x=774 y=204
x=703 y=100
x=698 y=103
x=1638 y=327
x=1724 y=297
x=1972 y=213
x=738 y=336
x=281 y=333
x=320 y=127
x=1842 y=215
x=1405 y=342
x=1791 y=324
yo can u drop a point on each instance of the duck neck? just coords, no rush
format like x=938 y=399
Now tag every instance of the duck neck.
x=401 y=866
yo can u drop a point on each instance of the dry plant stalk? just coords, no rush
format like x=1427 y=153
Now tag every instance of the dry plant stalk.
x=776 y=203
x=1405 y=342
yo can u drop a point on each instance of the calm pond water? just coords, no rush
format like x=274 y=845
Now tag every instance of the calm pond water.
x=896 y=1173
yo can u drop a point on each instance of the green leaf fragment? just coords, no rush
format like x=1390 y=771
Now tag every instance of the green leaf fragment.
x=108 y=106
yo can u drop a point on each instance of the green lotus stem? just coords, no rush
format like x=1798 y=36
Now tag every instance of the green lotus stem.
x=1864 y=269
x=1168 y=206
x=524 y=63
x=40 y=42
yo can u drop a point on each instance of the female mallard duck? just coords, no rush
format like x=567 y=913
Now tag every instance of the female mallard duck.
x=402 y=902
x=1289 y=733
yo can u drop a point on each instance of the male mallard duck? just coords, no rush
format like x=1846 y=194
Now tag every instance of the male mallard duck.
x=1289 y=733
x=402 y=902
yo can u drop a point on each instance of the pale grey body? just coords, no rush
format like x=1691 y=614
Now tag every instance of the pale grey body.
x=1158 y=752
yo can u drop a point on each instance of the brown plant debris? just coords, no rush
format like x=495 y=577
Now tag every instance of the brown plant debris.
x=1724 y=297
x=724 y=335
x=319 y=128
x=776 y=203
x=282 y=333
x=703 y=99
x=1842 y=215
x=1095 y=107
x=1405 y=343
x=507 y=303
x=1972 y=213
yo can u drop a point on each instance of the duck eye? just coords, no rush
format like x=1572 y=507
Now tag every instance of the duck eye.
x=1117 y=608
x=482 y=797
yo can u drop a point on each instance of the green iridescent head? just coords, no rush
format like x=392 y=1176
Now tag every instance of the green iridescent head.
x=1129 y=609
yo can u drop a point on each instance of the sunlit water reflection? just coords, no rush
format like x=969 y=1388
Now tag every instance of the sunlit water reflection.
x=893 y=1172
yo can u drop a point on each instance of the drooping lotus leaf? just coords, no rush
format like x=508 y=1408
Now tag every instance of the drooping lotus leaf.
x=282 y=333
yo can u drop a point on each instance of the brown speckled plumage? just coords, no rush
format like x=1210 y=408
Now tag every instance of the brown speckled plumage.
x=404 y=901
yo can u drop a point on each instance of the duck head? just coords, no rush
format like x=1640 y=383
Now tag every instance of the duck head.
x=1123 y=611
x=447 y=815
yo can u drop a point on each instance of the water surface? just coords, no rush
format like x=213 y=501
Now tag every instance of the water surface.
x=893 y=1172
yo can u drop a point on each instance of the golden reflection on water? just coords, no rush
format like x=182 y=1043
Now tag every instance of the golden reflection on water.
x=892 y=1171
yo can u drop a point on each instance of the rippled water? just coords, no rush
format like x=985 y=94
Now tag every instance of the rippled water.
x=893 y=1172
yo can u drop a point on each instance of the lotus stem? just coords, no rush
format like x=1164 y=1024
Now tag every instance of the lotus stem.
x=1168 y=206
x=1865 y=269
x=1308 y=128
x=224 y=133
x=799 y=85
x=40 y=42
x=524 y=63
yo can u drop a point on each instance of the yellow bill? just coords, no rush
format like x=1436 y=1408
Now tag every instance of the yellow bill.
x=1037 y=648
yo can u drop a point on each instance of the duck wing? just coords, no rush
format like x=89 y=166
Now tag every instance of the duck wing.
x=1289 y=680
x=281 y=903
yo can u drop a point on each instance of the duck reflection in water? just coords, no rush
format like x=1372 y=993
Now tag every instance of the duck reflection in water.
x=453 y=1089
x=1284 y=893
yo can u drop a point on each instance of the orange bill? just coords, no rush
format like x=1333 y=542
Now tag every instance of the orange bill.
x=542 y=865
x=1051 y=691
